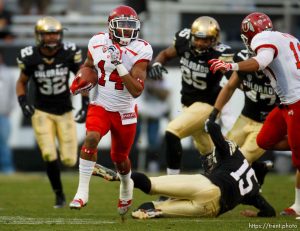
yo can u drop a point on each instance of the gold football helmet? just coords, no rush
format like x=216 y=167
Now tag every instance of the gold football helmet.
x=47 y=25
x=205 y=28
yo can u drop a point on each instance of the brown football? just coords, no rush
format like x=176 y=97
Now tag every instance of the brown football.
x=88 y=74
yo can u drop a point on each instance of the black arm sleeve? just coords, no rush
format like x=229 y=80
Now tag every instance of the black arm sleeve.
x=218 y=138
x=259 y=202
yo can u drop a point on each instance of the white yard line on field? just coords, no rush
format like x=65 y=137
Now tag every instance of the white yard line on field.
x=59 y=221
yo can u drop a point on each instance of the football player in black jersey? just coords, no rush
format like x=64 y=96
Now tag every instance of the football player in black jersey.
x=231 y=182
x=260 y=99
x=200 y=87
x=48 y=66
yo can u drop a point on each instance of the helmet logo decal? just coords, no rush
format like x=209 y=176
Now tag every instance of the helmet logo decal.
x=247 y=26
x=200 y=34
x=260 y=21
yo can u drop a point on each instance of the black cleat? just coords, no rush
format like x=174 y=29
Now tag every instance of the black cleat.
x=60 y=201
x=268 y=164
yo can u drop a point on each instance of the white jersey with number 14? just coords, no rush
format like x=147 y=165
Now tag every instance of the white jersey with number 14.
x=112 y=93
x=284 y=70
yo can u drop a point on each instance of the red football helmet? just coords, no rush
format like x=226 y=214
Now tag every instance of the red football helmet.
x=124 y=25
x=253 y=24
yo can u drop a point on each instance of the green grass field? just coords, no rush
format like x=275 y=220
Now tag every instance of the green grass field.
x=26 y=204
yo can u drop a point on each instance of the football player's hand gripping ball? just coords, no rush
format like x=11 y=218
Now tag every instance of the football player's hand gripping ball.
x=85 y=79
x=80 y=85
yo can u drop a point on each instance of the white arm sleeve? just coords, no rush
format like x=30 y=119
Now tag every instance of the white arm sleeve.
x=264 y=57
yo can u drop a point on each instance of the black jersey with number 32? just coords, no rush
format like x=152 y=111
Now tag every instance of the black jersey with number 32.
x=233 y=174
x=260 y=96
x=50 y=76
x=199 y=84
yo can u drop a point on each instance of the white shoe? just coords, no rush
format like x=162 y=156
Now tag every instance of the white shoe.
x=125 y=200
x=77 y=204
x=289 y=212
x=124 y=206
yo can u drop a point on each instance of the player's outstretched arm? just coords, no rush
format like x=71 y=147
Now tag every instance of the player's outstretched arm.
x=217 y=137
x=259 y=202
x=157 y=69
x=227 y=91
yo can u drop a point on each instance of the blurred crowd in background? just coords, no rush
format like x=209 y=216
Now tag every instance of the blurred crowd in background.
x=82 y=19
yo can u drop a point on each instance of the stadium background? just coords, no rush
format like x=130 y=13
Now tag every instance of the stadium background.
x=164 y=18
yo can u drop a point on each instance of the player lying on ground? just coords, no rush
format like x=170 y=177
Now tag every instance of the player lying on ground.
x=231 y=182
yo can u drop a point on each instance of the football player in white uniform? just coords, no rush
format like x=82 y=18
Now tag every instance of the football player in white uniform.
x=277 y=55
x=121 y=60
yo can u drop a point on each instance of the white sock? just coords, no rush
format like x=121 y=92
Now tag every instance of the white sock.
x=126 y=186
x=296 y=205
x=171 y=171
x=85 y=172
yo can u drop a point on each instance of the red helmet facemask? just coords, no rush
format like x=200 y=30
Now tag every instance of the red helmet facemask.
x=253 y=24
x=124 y=25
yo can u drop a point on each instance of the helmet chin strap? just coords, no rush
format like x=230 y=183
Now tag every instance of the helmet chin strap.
x=200 y=52
x=124 y=41
x=51 y=48
x=197 y=51
x=245 y=41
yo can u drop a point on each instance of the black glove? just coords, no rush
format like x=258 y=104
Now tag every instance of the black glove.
x=27 y=109
x=208 y=163
x=259 y=202
x=211 y=118
x=213 y=115
x=156 y=71
x=81 y=114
